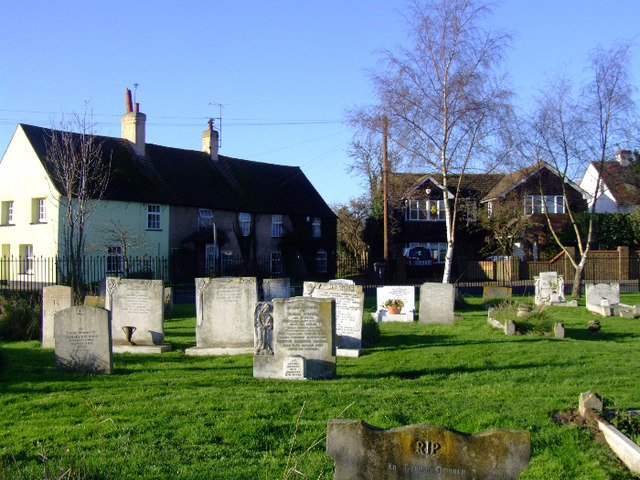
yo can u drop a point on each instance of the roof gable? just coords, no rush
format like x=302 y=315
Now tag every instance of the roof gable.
x=622 y=181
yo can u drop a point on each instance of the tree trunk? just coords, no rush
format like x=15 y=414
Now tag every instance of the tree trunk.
x=576 y=290
x=448 y=262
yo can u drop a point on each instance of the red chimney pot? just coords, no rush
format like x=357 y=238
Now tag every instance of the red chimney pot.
x=129 y=104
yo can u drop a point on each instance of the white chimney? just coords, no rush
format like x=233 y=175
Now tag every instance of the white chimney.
x=210 y=141
x=133 y=126
x=624 y=157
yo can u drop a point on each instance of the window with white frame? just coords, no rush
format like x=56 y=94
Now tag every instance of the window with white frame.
x=38 y=210
x=276 y=263
x=26 y=259
x=276 y=226
x=153 y=217
x=6 y=216
x=472 y=209
x=114 y=259
x=321 y=261
x=438 y=249
x=425 y=210
x=536 y=204
x=205 y=219
x=316 y=228
x=244 y=221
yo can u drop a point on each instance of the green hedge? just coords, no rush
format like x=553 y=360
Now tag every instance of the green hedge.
x=20 y=316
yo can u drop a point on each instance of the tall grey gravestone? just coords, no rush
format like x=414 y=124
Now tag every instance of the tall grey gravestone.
x=349 y=311
x=425 y=452
x=83 y=340
x=276 y=288
x=437 y=303
x=224 y=315
x=138 y=304
x=295 y=338
x=54 y=299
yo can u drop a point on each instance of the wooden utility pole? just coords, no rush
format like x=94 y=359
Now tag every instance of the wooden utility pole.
x=385 y=192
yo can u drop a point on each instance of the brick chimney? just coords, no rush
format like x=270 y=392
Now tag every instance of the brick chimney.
x=210 y=141
x=133 y=126
x=624 y=157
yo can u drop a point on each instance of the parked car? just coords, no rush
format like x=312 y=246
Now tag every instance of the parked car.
x=417 y=256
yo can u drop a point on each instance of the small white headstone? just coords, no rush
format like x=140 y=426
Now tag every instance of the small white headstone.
x=406 y=293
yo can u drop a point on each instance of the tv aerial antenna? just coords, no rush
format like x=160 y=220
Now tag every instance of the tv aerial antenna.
x=218 y=119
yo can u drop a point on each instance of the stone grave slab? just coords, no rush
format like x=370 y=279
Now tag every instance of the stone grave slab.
x=225 y=315
x=349 y=300
x=83 y=340
x=491 y=292
x=425 y=452
x=276 y=288
x=603 y=298
x=406 y=293
x=138 y=304
x=437 y=303
x=54 y=299
x=295 y=338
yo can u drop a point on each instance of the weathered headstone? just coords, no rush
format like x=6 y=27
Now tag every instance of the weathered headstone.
x=138 y=304
x=342 y=281
x=589 y=401
x=549 y=289
x=54 y=299
x=406 y=293
x=601 y=297
x=491 y=292
x=558 y=330
x=168 y=301
x=83 y=340
x=295 y=338
x=425 y=452
x=349 y=311
x=224 y=315
x=437 y=303
x=94 y=301
x=276 y=288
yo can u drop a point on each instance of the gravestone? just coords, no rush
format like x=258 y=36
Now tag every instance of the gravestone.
x=83 y=340
x=490 y=293
x=437 y=303
x=349 y=300
x=406 y=293
x=54 y=299
x=601 y=297
x=342 y=281
x=224 y=315
x=138 y=304
x=94 y=301
x=168 y=301
x=295 y=338
x=425 y=452
x=276 y=288
x=558 y=330
x=549 y=289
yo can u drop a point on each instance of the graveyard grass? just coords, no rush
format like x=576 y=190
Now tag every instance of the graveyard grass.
x=171 y=416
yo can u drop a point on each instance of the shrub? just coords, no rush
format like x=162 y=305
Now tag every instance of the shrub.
x=370 y=332
x=628 y=425
x=536 y=322
x=20 y=316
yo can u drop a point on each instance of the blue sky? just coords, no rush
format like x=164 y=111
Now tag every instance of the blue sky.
x=285 y=71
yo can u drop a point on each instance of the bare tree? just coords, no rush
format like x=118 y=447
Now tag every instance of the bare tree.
x=505 y=226
x=115 y=233
x=80 y=172
x=352 y=220
x=569 y=130
x=443 y=97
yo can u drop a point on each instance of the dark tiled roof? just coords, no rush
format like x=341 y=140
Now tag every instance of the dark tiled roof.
x=510 y=180
x=472 y=185
x=623 y=182
x=176 y=176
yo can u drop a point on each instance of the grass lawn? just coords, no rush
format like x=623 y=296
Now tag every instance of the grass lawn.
x=172 y=416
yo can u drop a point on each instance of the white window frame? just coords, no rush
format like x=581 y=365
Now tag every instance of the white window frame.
x=534 y=204
x=420 y=211
x=26 y=259
x=321 y=261
x=275 y=264
x=114 y=259
x=7 y=212
x=244 y=222
x=472 y=209
x=41 y=210
x=154 y=216
x=205 y=219
x=276 y=226
x=316 y=227
x=438 y=249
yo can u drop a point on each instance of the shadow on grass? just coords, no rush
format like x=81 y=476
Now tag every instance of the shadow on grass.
x=458 y=369
x=602 y=335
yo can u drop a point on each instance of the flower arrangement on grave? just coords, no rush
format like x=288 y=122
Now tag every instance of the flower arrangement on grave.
x=394 y=305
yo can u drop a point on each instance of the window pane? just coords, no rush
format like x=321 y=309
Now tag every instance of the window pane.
x=276 y=225
x=244 y=221
x=316 y=231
